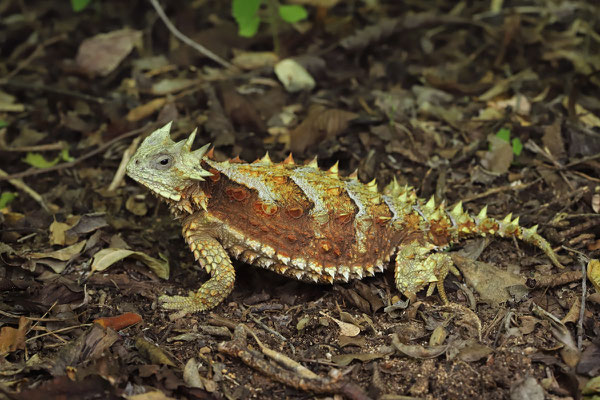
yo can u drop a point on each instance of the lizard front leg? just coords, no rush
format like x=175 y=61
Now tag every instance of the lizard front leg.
x=417 y=267
x=213 y=257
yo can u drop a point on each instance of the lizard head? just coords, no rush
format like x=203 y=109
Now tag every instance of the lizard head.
x=166 y=167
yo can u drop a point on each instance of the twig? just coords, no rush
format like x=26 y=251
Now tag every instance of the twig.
x=19 y=184
x=266 y=328
x=21 y=149
x=68 y=328
x=553 y=280
x=11 y=315
x=50 y=89
x=498 y=190
x=196 y=46
x=38 y=51
x=101 y=148
x=120 y=174
x=334 y=384
x=582 y=308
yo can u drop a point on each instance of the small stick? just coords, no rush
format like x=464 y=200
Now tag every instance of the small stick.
x=120 y=174
x=19 y=184
x=101 y=148
x=582 y=307
x=196 y=46
x=238 y=348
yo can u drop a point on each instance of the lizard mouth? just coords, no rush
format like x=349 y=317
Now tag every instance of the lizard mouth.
x=157 y=187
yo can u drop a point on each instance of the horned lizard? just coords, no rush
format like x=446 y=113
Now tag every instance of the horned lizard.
x=303 y=222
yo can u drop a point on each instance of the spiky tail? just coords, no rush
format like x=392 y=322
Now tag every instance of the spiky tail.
x=483 y=225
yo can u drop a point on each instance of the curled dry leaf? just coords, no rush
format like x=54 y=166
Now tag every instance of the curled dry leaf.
x=107 y=257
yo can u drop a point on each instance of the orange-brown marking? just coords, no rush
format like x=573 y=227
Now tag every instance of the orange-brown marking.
x=238 y=194
x=268 y=209
x=295 y=212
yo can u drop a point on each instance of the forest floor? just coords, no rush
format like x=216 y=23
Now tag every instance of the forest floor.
x=489 y=103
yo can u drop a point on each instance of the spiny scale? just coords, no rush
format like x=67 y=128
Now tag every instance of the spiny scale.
x=303 y=222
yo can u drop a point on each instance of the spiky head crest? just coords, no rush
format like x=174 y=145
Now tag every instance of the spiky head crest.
x=166 y=167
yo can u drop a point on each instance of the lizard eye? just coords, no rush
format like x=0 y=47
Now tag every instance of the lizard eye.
x=163 y=161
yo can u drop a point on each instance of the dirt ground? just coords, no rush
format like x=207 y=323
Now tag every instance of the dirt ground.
x=490 y=103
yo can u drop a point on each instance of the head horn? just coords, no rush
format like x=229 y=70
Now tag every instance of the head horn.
x=161 y=136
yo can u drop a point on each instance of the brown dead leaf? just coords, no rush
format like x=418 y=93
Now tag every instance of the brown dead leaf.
x=320 y=124
x=12 y=339
x=57 y=233
x=59 y=259
x=528 y=324
x=241 y=111
x=473 y=351
x=490 y=282
x=499 y=157
x=101 y=54
x=589 y=364
x=346 y=328
x=553 y=140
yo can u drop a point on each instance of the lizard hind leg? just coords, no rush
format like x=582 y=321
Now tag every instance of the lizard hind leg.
x=212 y=256
x=417 y=267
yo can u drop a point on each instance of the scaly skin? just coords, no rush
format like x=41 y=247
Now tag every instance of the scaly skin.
x=302 y=222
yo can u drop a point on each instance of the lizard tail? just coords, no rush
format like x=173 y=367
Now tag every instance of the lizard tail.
x=508 y=227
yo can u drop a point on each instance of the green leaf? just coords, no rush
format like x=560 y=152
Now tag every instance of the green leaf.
x=517 y=146
x=245 y=14
x=3 y=123
x=292 y=13
x=78 y=5
x=37 y=160
x=64 y=155
x=504 y=134
x=5 y=198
